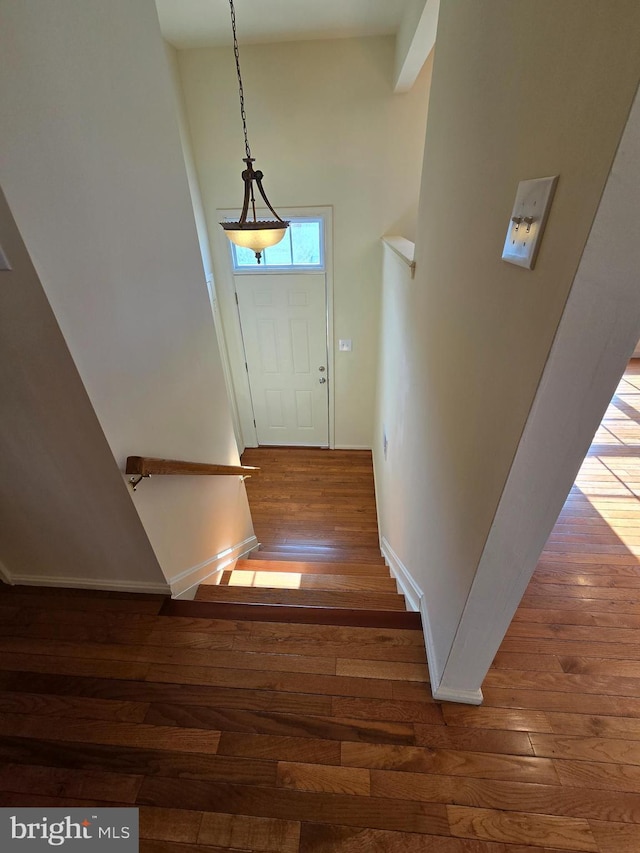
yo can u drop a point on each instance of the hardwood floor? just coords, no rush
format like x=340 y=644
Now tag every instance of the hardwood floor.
x=314 y=514
x=316 y=503
x=252 y=735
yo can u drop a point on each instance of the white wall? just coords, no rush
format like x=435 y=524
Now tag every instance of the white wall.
x=327 y=130
x=203 y=236
x=94 y=173
x=518 y=92
x=394 y=397
x=579 y=379
x=189 y=162
x=65 y=516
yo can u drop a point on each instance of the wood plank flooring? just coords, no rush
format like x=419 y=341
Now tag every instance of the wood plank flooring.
x=316 y=503
x=293 y=737
x=315 y=517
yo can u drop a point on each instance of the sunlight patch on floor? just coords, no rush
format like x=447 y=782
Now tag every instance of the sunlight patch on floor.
x=618 y=511
x=275 y=580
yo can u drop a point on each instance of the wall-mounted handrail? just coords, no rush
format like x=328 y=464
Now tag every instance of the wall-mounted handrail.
x=145 y=466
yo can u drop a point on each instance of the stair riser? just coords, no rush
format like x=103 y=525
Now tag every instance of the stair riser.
x=299 y=597
x=310 y=555
x=395 y=619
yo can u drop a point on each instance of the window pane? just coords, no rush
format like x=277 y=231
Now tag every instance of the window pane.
x=280 y=254
x=244 y=257
x=305 y=237
x=301 y=247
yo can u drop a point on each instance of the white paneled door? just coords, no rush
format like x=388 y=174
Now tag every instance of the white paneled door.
x=284 y=328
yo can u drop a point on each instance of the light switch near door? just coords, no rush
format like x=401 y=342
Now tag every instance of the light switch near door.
x=344 y=345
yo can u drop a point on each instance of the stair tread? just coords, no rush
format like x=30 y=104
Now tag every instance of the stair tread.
x=339 y=616
x=315 y=567
x=312 y=598
x=300 y=554
x=254 y=578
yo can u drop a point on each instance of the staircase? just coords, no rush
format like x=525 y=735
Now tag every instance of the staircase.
x=289 y=589
x=319 y=562
x=249 y=718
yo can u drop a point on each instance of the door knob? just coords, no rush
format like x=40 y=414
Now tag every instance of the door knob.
x=322 y=380
x=322 y=368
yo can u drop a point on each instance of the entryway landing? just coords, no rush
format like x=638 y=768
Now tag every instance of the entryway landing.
x=316 y=503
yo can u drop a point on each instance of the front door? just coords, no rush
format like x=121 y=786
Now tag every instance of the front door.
x=284 y=329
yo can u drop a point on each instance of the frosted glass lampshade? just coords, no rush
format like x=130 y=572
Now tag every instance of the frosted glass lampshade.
x=255 y=235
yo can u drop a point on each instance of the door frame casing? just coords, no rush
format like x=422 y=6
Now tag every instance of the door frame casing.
x=230 y=318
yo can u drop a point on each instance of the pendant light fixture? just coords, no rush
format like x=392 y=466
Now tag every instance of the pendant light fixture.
x=251 y=233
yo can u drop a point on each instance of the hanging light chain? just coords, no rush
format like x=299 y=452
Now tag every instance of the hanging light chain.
x=241 y=90
x=251 y=233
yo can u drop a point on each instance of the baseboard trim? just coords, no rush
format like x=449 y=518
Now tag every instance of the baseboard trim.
x=181 y=585
x=5 y=575
x=435 y=675
x=440 y=693
x=90 y=584
x=352 y=447
x=410 y=589
x=416 y=600
x=466 y=697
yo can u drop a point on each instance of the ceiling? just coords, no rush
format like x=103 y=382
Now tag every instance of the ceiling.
x=203 y=23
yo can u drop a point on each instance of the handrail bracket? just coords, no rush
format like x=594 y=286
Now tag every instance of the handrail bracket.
x=134 y=482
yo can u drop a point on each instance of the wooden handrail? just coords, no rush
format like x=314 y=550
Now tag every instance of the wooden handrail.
x=145 y=466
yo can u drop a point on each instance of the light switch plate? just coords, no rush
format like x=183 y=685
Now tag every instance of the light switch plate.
x=528 y=219
x=344 y=345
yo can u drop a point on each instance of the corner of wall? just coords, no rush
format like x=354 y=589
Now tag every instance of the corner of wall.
x=185 y=584
x=416 y=601
x=5 y=574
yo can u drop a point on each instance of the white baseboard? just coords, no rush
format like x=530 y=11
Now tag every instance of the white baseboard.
x=5 y=575
x=443 y=694
x=416 y=600
x=466 y=697
x=352 y=447
x=410 y=589
x=90 y=583
x=182 y=584
x=435 y=675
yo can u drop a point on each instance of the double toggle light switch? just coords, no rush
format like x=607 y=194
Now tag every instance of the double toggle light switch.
x=528 y=219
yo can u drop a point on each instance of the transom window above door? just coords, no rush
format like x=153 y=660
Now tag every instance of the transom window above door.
x=302 y=248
